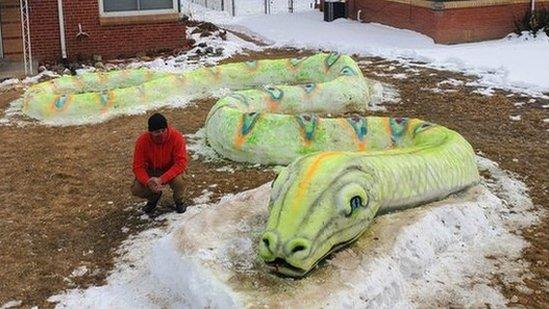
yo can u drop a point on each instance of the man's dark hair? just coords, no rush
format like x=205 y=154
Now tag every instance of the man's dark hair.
x=157 y=121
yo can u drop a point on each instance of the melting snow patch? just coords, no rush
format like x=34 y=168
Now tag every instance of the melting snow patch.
x=226 y=169
x=382 y=93
x=441 y=254
x=9 y=83
x=484 y=91
x=451 y=82
x=79 y=272
x=399 y=76
x=439 y=90
x=198 y=147
x=11 y=304
x=515 y=118
x=204 y=197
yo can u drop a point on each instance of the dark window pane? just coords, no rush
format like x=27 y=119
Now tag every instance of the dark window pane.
x=119 y=5
x=155 y=4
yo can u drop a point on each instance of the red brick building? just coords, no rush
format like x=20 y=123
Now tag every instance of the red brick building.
x=446 y=22
x=75 y=29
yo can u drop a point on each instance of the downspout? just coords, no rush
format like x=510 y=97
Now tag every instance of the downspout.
x=533 y=6
x=1 y=40
x=62 y=29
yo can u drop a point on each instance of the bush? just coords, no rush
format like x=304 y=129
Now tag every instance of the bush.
x=533 y=22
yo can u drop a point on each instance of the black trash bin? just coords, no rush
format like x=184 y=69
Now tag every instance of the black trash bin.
x=333 y=10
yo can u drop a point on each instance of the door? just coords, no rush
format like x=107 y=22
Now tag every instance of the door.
x=10 y=30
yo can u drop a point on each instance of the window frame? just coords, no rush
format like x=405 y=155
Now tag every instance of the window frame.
x=174 y=9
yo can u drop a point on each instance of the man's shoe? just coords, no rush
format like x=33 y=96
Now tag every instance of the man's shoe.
x=180 y=207
x=151 y=204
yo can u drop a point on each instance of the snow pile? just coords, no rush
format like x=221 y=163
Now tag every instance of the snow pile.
x=11 y=304
x=514 y=63
x=9 y=83
x=198 y=147
x=13 y=83
x=441 y=254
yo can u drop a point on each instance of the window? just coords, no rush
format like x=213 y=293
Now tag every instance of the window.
x=137 y=7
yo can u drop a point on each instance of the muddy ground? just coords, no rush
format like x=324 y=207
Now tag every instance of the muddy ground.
x=65 y=200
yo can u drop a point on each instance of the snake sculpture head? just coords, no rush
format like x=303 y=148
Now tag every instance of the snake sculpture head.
x=324 y=201
x=310 y=217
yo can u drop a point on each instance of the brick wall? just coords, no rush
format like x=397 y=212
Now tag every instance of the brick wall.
x=44 y=28
x=394 y=14
x=450 y=25
x=476 y=24
x=108 y=41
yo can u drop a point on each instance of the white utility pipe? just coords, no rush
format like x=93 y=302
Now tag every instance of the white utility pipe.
x=62 y=29
x=533 y=5
x=358 y=15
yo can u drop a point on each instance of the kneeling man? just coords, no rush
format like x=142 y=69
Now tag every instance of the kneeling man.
x=160 y=158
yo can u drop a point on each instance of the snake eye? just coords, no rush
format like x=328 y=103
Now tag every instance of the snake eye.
x=355 y=203
x=422 y=127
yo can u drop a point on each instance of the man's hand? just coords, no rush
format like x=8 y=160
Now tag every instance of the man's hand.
x=155 y=184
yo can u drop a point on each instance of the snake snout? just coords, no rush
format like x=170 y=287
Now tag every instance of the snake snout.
x=268 y=246
x=271 y=247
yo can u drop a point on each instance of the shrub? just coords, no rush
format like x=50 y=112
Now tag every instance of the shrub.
x=533 y=22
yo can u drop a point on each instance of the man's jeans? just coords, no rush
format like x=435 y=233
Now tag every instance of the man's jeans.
x=176 y=184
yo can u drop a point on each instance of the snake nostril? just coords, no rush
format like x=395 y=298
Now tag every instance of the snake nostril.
x=266 y=242
x=298 y=248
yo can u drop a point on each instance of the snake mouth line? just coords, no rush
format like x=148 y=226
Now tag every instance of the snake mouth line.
x=281 y=266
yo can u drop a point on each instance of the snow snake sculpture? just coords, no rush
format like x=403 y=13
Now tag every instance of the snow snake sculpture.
x=341 y=171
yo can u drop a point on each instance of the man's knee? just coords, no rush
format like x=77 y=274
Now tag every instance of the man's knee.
x=139 y=190
x=177 y=187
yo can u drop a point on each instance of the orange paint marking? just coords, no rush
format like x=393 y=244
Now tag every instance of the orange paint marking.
x=239 y=139
x=216 y=73
x=68 y=101
x=253 y=68
x=79 y=83
x=181 y=79
x=103 y=78
x=314 y=93
x=306 y=182
x=289 y=65
x=271 y=104
x=54 y=86
x=361 y=145
x=387 y=125
x=26 y=101
x=148 y=76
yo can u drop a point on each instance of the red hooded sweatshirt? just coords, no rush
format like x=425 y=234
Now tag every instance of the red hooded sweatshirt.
x=170 y=156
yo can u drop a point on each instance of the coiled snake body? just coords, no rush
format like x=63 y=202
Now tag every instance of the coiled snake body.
x=341 y=171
